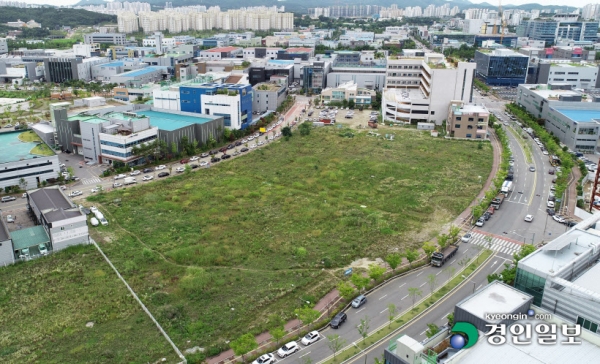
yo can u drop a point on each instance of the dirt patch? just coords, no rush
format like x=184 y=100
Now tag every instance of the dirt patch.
x=365 y=262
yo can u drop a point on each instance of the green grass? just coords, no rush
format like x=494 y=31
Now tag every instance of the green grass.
x=41 y=149
x=197 y=245
x=29 y=136
x=46 y=303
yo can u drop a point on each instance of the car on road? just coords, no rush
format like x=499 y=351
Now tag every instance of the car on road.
x=529 y=218
x=158 y=168
x=163 y=174
x=532 y=169
x=75 y=193
x=338 y=320
x=194 y=158
x=559 y=218
x=96 y=189
x=466 y=238
x=120 y=176
x=252 y=146
x=235 y=153
x=204 y=155
x=10 y=218
x=184 y=161
x=288 y=349
x=511 y=163
x=310 y=338
x=225 y=156
x=147 y=170
x=147 y=178
x=550 y=212
x=550 y=204
x=480 y=222
x=486 y=215
x=551 y=171
x=359 y=301
x=265 y=359
x=194 y=166
x=238 y=143
x=244 y=150
x=203 y=164
x=8 y=198
x=215 y=160
x=180 y=169
x=554 y=180
x=244 y=141
x=135 y=173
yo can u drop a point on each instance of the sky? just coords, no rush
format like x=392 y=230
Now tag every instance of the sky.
x=577 y=3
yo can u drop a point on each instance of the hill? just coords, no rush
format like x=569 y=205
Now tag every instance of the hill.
x=54 y=18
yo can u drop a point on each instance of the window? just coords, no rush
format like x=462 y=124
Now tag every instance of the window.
x=469 y=127
x=480 y=120
x=587 y=324
x=572 y=79
x=559 y=79
x=457 y=126
x=469 y=136
x=433 y=113
x=471 y=119
x=458 y=118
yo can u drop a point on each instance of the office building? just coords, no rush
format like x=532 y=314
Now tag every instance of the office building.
x=571 y=117
x=141 y=76
x=220 y=53
x=261 y=52
x=579 y=75
x=3 y=46
x=58 y=69
x=348 y=91
x=232 y=102
x=467 y=121
x=262 y=72
x=105 y=38
x=552 y=31
x=268 y=95
x=420 y=88
x=314 y=76
x=501 y=67
x=359 y=67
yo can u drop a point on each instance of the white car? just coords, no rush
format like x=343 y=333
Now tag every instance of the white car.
x=180 y=169
x=252 y=146
x=244 y=141
x=103 y=221
x=119 y=176
x=117 y=185
x=529 y=218
x=10 y=218
x=550 y=204
x=96 y=189
x=43 y=249
x=545 y=152
x=466 y=238
x=135 y=173
x=93 y=209
x=271 y=137
x=559 y=218
x=265 y=359
x=94 y=221
x=203 y=164
x=310 y=338
x=288 y=349
x=75 y=193
x=158 y=168
x=261 y=143
x=194 y=158
x=250 y=138
x=147 y=178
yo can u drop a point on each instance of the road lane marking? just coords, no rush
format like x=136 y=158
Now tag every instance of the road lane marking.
x=383 y=311
x=445 y=316
x=453 y=261
x=304 y=355
x=420 y=273
x=438 y=273
x=383 y=297
x=422 y=333
x=422 y=284
x=403 y=297
x=360 y=309
x=478 y=287
x=400 y=286
x=465 y=251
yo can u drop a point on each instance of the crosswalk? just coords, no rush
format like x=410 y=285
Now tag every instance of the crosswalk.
x=497 y=244
x=89 y=181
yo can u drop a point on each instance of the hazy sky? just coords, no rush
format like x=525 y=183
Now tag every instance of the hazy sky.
x=578 y=3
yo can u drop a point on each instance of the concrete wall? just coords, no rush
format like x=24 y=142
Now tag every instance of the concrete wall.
x=373 y=81
x=6 y=249
x=75 y=232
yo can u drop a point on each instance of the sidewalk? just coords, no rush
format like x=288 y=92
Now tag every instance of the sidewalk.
x=571 y=194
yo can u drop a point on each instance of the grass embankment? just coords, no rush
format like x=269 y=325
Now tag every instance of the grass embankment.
x=410 y=314
x=216 y=253
x=41 y=149
x=45 y=305
x=29 y=136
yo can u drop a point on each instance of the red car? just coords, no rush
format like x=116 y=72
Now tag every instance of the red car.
x=184 y=161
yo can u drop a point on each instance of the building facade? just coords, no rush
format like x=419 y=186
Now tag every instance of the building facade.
x=348 y=91
x=502 y=67
x=467 y=121
x=105 y=38
x=268 y=96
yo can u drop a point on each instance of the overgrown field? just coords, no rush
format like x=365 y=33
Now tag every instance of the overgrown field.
x=234 y=248
x=45 y=305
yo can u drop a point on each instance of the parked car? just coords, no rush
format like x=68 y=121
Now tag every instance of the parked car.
x=103 y=221
x=529 y=218
x=203 y=164
x=75 y=193
x=570 y=223
x=238 y=143
x=96 y=189
x=204 y=155
x=310 y=338
x=550 y=212
x=551 y=171
x=120 y=176
x=550 y=204
x=225 y=156
x=559 y=218
x=244 y=150
x=265 y=359
x=184 y=161
x=231 y=146
x=163 y=174
x=194 y=158
x=215 y=160
x=147 y=170
x=288 y=349
x=135 y=173
x=10 y=218
x=8 y=198
x=180 y=169
x=486 y=215
x=223 y=150
x=43 y=249
x=466 y=238
x=194 y=166
x=147 y=178
x=158 y=168
x=480 y=222
x=94 y=221
x=359 y=301
x=338 y=320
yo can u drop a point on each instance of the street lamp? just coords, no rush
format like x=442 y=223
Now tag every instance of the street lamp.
x=532 y=237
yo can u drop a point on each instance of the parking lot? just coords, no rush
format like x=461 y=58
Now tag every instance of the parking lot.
x=506 y=93
x=20 y=216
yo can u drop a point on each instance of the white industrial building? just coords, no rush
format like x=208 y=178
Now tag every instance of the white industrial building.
x=421 y=88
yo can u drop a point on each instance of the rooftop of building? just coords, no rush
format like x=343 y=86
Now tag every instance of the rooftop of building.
x=546 y=92
x=469 y=109
x=533 y=353
x=501 y=52
x=50 y=198
x=267 y=86
x=496 y=297
x=222 y=49
x=216 y=85
x=112 y=64
x=299 y=50
x=60 y=214
x=86 y=118
x=29 y=237
x=581 y=116
x=170 y=122
x=129 y=116
x=404 y=95
x=142 y=71
x=12 y=149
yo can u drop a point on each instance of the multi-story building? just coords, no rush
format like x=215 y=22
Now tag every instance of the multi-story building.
x=262 y=72
x=501 y=67
x=553 y=30
x=105 y=38
x=467 y=121
x=59 y=70
x=104 y=72
x=578 y=75
x=232 y=102
x=314 y=76
x=127 y=22
x=268 y=95
x=348 y=91
x=261 y=52
x=365 y=68
x=220 y=53
x=3 y=46
x=572 y=116
x=420 y=88
x=141 y=76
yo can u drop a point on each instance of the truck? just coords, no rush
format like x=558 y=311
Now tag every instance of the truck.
x=439 y=258
x=98 y=215
x=506 y=187
x=497 y=201
x=129 y=181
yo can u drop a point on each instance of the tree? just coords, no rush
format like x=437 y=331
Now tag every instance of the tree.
x=391 y=313
x=454 y=231
x=22 y=184
x=286 y=131
x=376 y=271
x=277 y=333
x=428 y=247
x=432 y=329
x=243 y=345
x=450 y=318
x=363 y=328
x=359 y=281
x=432 y=282
x=393 y=259
x=304 y=128
x=414 y=292
x=335 y=343
x=411 y=256
x=442 y=240
x=307 y=315
x=346 y=290
x=351 y=104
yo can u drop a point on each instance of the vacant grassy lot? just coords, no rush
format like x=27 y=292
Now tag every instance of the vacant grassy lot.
x=46 y=303
x=215 y=252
